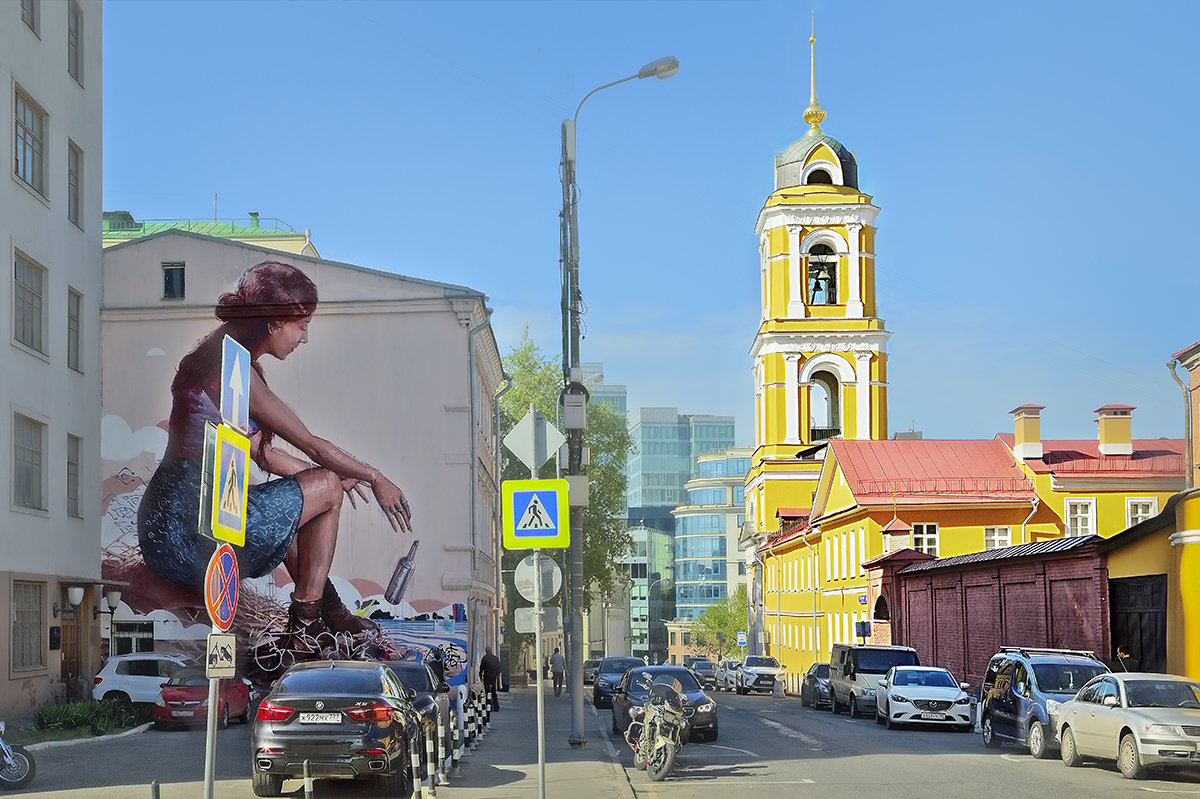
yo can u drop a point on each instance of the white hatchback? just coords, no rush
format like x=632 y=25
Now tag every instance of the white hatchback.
x=137 y=677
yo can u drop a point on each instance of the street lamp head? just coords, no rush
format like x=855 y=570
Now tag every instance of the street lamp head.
x=661 y=68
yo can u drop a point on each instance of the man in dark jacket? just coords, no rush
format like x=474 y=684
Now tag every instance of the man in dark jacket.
x=1126 y=661
x=489 y=673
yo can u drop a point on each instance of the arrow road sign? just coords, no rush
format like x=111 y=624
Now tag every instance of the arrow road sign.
x=235 y=384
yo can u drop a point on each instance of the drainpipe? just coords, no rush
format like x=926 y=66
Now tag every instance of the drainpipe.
x=813 y=591
x=474 y=447
x=1187 y=425
x=1036 y=501
x=771 y=552
x=508 y=382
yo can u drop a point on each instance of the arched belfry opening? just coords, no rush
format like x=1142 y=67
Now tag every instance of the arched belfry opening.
x=825 y=416
x=819 y=177
x=881 y=610
x=822 y=275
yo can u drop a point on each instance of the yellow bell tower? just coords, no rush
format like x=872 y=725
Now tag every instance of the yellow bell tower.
x=820 y=353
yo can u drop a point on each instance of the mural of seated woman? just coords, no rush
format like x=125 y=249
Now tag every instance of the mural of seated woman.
x=291 y=519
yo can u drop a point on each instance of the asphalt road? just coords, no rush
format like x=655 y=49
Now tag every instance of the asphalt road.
x=775 y=745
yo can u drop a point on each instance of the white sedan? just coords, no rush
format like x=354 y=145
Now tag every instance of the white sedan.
x=922 y=695
x=1138 y=719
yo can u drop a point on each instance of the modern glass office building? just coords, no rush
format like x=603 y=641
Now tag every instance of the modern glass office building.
x=651 y=592
x=708 y=563
x=667 y=444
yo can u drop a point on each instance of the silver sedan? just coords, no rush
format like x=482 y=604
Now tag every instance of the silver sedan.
x=1139 y=720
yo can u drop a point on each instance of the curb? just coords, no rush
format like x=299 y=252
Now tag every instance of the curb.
x=72 y=741
x=622 y=776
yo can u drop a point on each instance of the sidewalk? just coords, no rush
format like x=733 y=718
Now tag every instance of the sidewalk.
x=505 y=764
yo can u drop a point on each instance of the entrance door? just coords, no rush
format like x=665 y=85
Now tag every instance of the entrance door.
x=1139 y=618
x=70 y=654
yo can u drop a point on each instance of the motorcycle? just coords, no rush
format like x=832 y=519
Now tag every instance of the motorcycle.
x=659 y=729
x=16 y=765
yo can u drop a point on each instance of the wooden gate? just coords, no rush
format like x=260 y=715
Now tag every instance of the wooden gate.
x=1138 y=610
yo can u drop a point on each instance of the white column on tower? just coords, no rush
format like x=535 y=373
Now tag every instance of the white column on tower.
x=796 y=308
x=854 y=304
x=791 y=401
x=862 y=368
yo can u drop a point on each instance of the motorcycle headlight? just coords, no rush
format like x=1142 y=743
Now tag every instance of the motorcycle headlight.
x=1162 y=729
x=706 y=707
x=636 y=713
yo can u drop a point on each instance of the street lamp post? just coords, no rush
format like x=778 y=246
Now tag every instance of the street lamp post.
x=574 y=395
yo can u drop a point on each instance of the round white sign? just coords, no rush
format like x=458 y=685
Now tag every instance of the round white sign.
x=523 y=577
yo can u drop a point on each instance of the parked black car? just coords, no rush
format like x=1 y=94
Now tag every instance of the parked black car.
x=430 y=697
x=630 y=695
x=705 y=671
x=814 y=688
x=345 y=718
x=608 y=674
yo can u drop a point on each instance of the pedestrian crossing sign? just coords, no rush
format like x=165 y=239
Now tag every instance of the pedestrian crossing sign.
x=230 y=477
x=535 y=514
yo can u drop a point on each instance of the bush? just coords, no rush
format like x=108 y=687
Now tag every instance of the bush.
x=98 y=716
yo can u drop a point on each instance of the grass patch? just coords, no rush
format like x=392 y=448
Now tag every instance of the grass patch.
x=82 y=719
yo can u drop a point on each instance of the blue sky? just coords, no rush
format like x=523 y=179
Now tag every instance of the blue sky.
x=1032 y=162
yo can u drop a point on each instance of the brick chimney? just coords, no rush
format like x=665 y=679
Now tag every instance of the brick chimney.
x=1116 y=429
x=1027 y=422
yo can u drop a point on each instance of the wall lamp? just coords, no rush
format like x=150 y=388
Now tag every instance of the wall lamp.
x=74 y=597
x=113 y=598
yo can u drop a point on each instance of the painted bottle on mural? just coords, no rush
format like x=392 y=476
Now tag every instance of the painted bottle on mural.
x=400 y=577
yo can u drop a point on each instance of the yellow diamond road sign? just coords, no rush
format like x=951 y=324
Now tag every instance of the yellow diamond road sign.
x=535 y=514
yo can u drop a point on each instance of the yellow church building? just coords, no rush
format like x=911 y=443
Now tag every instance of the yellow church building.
x=828 y=491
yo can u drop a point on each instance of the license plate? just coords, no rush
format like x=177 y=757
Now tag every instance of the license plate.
x=934 y=716
x=183 y=714
x=320 y=718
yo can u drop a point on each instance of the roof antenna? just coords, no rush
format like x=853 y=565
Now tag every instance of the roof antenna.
x=814 y=115
x=214 y=207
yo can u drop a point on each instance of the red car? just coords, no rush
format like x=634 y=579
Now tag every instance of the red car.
x=184 y=700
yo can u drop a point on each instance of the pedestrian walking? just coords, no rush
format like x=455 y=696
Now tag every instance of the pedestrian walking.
x=1127 y=661
x=489 y=672
x=558 y=667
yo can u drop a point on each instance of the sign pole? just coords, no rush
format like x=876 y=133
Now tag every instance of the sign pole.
x=537 y=654
x=210 y=742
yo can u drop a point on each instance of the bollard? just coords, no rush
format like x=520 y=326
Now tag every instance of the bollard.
x=456 y=752
x=442 y=732
x=430 y=758
x=472 y=738
x=153 y=789
x=307 y=781
x=481 y=714
x=414 y=768
x=777 y=690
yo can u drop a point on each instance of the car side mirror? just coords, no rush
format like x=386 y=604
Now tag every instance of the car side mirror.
x=965 y=687
x=443 y=688
x=410 y=694
x=618 y=690
x=1109 y=701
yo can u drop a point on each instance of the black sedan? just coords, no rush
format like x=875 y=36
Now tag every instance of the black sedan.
x=345 y=718
x=431 y=699
x=609 y=674
x=814 y=689
x=630 y=696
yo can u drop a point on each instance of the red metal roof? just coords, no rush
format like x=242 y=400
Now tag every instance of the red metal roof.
x=919 y=471
x=1152 y=457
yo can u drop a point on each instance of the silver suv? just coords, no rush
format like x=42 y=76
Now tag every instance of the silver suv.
x=139 y=676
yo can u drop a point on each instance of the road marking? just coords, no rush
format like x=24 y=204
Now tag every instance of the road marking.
x=812 y=743
x=745 y=752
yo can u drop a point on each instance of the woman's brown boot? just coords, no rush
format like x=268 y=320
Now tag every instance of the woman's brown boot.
x=338 y=617
x=306 y=633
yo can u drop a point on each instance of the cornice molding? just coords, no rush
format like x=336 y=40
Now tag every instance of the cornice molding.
x=809 y=216
x=1184 y=537
x=1076 y=485
x=865 y=341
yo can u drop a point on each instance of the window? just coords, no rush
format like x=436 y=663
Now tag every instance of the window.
x=172 y=281
x=28 y=279
x=997 y=537
x=74 y=45
x=925 y=538
x=822 y=275
x=29 y=14
x=29 y=137
x=74 y=169
x=1140 y=509
x=74 y=312
x=1081 y=517
x=27 y=615
x=73 y=446
x=819 y=176
x=28 y=446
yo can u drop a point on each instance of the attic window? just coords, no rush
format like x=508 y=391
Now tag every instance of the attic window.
x=819 y=176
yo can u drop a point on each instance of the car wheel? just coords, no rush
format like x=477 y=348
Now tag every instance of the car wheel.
x=804 y=698
x=1070 y=755
x=395 y=785
x=118 y=696
x=878 y=714
x=244 y=718
x=712 y=734
x=835 y=707
x=989 y=733
x=1129 y=760
x=887 y=722
x=1037 y=740
x=266 y=784
x=854 y=707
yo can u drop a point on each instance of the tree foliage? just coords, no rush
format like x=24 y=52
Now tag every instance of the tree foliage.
x=715 y=631
x=537 y=381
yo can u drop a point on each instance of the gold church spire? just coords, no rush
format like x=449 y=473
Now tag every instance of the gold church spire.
x=814 y=115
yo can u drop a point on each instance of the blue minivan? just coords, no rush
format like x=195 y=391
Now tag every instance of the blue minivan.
x=1022 y=689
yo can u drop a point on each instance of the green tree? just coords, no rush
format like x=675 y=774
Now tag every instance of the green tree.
x=715 y=631
x=537 y=381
